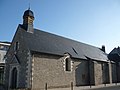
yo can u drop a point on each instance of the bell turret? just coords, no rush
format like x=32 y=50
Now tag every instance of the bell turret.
x=28 y=19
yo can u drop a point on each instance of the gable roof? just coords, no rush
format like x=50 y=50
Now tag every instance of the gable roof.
x=45 y=42
x=15 y=59
x=114 y=55
x=115 y=51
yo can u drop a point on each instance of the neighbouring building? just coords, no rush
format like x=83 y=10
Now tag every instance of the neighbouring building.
x=37 y=57
x=4 y=46
x=114 y=56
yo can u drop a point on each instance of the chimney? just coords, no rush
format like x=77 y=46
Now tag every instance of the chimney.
x=103 y=48
x=118 y=47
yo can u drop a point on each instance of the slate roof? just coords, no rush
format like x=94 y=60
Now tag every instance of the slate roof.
x=114 y=55
x=44 y=42
x=115 y=51
x=28 y=13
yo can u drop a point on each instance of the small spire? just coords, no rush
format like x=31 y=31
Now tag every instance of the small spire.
x=29 y=4
x=29 y=7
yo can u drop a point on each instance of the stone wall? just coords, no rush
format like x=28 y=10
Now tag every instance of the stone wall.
x=118 y=72
x=91 y=73
x=101 y=72
x=98 y=73
x=21 y=62
x=50 y=69
x=114 y=73
x=105 y=73
x=81 y=72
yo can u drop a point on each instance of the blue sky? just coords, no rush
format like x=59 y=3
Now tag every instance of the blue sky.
x=95 y=22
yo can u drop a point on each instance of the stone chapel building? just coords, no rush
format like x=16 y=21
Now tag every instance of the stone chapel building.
x=36 y=57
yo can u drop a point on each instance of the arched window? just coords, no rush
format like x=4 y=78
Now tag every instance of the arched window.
x=14 y=78
x=67 y=64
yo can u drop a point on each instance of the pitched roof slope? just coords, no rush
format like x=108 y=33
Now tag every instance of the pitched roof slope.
x=114 y=55
x=45 y=42
x=115 y=51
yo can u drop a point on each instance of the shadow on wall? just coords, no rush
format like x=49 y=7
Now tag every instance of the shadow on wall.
x=81 y=73
x=85 y=73
x=105 y=73
x=114 y=73
x=118 y=72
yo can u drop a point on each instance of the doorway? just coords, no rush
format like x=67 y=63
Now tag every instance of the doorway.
x=14 y=78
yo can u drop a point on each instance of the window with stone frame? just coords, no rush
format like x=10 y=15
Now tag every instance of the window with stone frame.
x=67 y=64
x=16 y=47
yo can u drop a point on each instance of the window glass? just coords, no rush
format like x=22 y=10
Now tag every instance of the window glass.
x=16 y=46
x=68 y=64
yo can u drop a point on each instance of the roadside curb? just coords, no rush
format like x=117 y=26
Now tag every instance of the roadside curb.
x=101 y=86
x=89 y=87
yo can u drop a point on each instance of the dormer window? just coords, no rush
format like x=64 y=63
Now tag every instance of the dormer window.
x=16 y=47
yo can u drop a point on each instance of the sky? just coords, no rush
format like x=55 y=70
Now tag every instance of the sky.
x=94 y=22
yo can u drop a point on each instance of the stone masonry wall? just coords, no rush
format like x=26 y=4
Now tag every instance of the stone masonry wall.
x=118 y=72
x=114 y=73
x=91 y=73
x=98 y=73
x=105 y=73
x=21 y=64
x=50 y=69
